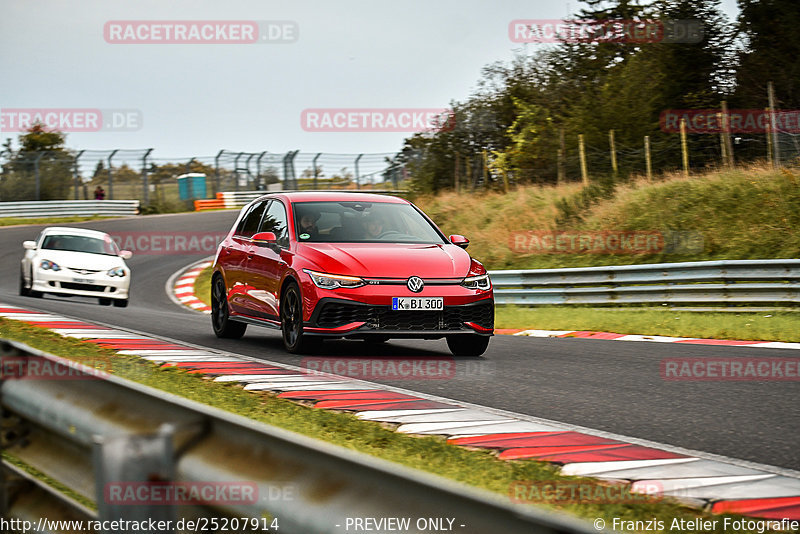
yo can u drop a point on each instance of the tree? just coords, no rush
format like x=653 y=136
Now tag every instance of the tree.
x=41 y=169
x=770 y=51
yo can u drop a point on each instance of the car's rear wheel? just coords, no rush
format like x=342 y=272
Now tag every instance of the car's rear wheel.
x=467 y=344
x=121 y=303
x=220 y=316
x=294 y=339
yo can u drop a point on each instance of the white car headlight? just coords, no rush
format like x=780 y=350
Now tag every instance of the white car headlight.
x=477 y=282
x=116 y=271
x=333 y=281
x=48 y=265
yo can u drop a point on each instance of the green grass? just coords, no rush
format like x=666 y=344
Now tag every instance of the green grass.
x=14 y=221
x=761 y=326
x=202 y=286
x=479 y=468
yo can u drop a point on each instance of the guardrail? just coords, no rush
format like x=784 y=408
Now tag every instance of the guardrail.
x=66 y=208
x=719 y=282
x=95 y=433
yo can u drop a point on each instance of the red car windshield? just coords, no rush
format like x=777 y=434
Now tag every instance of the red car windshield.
x=362 y=222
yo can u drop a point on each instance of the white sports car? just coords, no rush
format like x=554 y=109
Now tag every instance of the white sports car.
x=75 y=261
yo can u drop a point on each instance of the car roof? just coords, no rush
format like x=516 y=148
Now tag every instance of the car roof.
x=68 y=230
x=334 y=196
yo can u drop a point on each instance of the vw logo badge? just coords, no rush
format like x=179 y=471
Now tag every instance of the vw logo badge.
x=415 y=284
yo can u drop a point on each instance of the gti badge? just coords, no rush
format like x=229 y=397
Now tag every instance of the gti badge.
x=415 y=284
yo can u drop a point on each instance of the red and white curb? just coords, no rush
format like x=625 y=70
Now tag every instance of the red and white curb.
x=714 y=483
x=180 y=286
x=588 y=334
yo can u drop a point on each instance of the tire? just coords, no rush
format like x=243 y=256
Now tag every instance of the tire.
x=467 y=344
x=294 y=340
x=23 y=291
x=104 y=302
x=29 y=292
x=220 y=316
x=121 y=303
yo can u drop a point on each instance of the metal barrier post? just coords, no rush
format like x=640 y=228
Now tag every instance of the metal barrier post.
x=111 y=176
x=123 y=465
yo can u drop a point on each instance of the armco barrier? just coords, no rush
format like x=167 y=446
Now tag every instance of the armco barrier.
x=94 y=433
x=716 y=282
x=66 y=208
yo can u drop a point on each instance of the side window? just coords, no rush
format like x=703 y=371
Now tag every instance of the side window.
x=275 y=221
x=249 y=223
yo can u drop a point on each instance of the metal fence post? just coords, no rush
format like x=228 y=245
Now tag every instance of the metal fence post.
x=236 y=171
x=123 y=465
x=358 y=182
x=111 y=175
x=145 y=184
x=216 y=170
x=38 y=177
x=258 y=170
x=76 y=173
x=314 y=167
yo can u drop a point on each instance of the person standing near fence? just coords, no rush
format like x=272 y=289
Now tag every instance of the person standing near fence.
x=99 y=193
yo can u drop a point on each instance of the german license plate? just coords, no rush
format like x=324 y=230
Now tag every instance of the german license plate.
x=417 y=303
x=83 y=280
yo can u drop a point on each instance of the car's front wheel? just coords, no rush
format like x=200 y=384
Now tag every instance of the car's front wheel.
x=467 y=344
x=23 y=290
x=220 y=316
x=294 y=339
x=121 y=303
x=26 y=291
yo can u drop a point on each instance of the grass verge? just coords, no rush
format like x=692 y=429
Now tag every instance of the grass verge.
x=16 y=221
x=479 y=468
x=202 y=286
x=758 y=326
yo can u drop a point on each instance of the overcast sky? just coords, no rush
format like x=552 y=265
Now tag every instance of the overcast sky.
x=194 y=99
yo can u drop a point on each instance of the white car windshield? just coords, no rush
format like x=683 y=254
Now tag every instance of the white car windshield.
x=80 y=243
x=362 y=222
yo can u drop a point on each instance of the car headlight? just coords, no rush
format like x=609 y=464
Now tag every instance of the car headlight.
x=477 y=282
x=116 y=271
x=333 y=281
x=49 y=265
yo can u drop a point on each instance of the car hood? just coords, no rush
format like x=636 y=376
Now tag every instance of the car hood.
x=394 y=260
x=80 y=260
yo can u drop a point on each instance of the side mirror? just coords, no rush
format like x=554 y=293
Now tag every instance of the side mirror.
x=125 y=254
x=29 y=245
x=459 y=241
x=264 y=239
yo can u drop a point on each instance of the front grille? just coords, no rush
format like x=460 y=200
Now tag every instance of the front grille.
x=82 y=287
x=334 y=314
x=83 y=271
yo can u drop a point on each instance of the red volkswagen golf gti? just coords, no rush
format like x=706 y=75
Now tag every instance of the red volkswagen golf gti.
x=349 y=265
